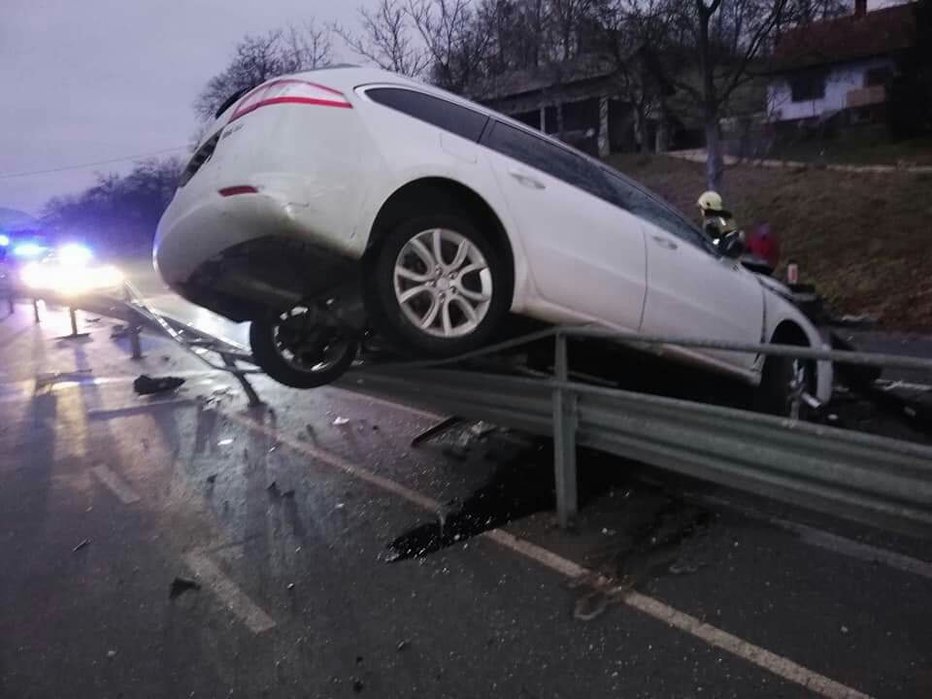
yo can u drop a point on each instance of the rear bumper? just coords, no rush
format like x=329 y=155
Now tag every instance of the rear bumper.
x=246 y=281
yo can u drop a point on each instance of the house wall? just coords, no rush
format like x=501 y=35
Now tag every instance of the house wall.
x=840 y=80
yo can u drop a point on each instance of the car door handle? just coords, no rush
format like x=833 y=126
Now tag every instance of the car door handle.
x=526 y=180
x=665 y=242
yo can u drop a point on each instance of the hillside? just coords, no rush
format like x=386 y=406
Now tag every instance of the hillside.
x=864 y=239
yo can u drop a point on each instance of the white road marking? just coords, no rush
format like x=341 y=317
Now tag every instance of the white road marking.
x=777 y=664
x=339 y=463
x=855 y=549
x=138 y=408
x=116 y=484
x=360 y=394
x=832 y=542
x=762 y=658
x=229 y=593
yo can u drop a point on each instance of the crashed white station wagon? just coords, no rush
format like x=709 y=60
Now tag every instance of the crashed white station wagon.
x=326 y=203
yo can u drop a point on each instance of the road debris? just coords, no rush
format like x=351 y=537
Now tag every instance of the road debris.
x=358 y=685
x=81 y=545
x=111 y=654
x=340 y=421
x=290 y=586
x=181 y=585
x=212 y=478
x=145 y=385
x=403 y=644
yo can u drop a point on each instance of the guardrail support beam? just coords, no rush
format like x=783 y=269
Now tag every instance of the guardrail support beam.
x=564 y=440
x=254 y=400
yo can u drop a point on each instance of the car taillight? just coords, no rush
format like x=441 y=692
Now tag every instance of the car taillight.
x=289 y=91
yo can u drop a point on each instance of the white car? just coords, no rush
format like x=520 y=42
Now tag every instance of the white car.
x=346 y=198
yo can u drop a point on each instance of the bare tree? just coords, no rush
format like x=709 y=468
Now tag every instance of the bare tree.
x=259 y=57
x=455 y=39
x=726 y=52
x=387 y=39
x=515 y=29
x=634 y=34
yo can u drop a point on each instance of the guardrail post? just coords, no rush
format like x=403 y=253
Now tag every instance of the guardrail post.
x=564 y=439
x=35 y=310
x=74 y=321
x=134 y=343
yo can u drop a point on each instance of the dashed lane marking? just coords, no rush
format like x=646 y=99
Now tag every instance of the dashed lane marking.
x=228 y=592
x=762 y=658
x=116 y=484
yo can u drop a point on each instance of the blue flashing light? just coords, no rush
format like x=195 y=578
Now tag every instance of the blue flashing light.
x=29 y=250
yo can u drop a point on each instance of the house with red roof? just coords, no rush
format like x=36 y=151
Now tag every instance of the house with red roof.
x=840 y=65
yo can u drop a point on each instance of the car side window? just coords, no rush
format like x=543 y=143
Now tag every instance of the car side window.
x=547 y=157
x=439 y=112
x=628 y=195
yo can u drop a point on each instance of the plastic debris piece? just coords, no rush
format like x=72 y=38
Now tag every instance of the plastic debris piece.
x=81 y=545
x=181 y=585
x=340 y=421
x=402 y=645
x=146 y=385
x=111 y=654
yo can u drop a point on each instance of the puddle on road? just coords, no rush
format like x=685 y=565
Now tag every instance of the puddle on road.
x=651 y=525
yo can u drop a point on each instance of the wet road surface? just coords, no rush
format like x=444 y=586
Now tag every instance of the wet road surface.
x=313 y=552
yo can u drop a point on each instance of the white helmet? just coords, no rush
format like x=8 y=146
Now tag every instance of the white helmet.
x=710 y=201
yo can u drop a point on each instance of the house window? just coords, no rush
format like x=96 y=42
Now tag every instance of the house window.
x=808 y=86
x=877 y=76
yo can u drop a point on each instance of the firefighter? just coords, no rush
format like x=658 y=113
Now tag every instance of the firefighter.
x=719 y=224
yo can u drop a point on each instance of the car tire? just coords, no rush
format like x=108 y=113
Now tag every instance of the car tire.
x=776 y=391
x=268 y=354
x=455 y=307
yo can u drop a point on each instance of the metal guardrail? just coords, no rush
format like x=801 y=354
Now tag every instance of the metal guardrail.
x=880 y=481
x=876 y=480
x=130 y=307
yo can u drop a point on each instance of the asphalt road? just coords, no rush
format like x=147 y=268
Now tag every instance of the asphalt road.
x=333 y=559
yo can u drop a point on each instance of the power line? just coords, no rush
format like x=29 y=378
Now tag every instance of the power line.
x=82 y=166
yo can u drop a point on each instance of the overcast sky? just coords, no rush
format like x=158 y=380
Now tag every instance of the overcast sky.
x=93 y=80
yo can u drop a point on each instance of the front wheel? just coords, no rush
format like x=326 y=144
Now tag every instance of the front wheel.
x=438 y=286
x=296 y=350
x=787 y=388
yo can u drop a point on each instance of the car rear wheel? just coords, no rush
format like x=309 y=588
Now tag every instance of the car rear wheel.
x=296 y=350
x=438 y=286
